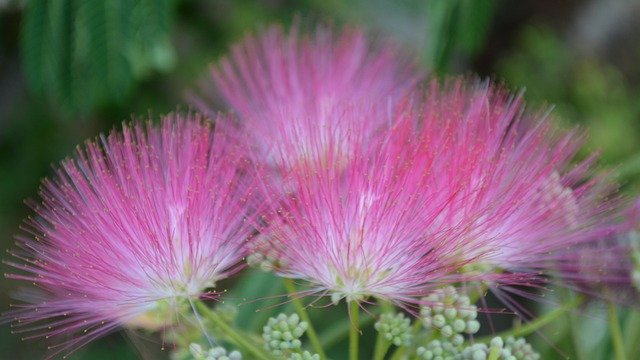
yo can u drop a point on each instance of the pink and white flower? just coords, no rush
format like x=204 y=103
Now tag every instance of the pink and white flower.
x=518 y=189
x=131 y=228
x=310 y=88
x=466 y=186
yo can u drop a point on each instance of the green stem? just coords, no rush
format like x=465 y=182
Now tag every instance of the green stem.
x=233 y=336
x=476 y=295
x=631 y=333
x=579 y=352
x=333 y=334
x=494 y=353
x=536 y=324
x=382 y=346
x=354 y=334
x=616 y=333
x=304 y=315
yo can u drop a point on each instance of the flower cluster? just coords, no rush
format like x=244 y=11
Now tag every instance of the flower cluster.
x=335 y=169
x=400 y=214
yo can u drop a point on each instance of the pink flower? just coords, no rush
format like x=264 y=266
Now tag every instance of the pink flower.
x=466 y=187
x=134 y=226
x=609 y=268
x=519 y=189
x=309 y=88
x=605 y=270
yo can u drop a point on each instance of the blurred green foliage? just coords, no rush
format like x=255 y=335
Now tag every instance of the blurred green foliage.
x=583 y=91
x=70 y=69
x=90 y=52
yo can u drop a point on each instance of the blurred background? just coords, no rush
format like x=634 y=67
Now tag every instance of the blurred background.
x=70 y=69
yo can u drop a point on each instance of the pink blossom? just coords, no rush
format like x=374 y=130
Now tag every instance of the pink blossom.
x=465 y=186
x=608 y=268
x=307 y=87
x=134 y=226
x=518 y=189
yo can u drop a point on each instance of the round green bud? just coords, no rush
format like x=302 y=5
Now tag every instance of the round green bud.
x=304 y=356
x=395 y=328
x=282 y=333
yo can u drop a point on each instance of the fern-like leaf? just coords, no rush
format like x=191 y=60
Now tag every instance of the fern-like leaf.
x=85 y=53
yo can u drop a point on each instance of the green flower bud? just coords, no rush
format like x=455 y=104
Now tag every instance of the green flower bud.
x=216 y=353
x=520 y=349
x=304 y=356
x=450 y=313
x=196 y=351
x=511 y=349
x=396 y=328
x=438 y=350
x=282 y=333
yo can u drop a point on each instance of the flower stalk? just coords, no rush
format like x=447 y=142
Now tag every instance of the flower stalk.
x=354 y=334
x=616 y=333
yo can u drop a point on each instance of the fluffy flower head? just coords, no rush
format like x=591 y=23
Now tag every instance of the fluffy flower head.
x=517 y=192
x=303 y=87
x=134 y=225
x=465 y=180
x=370 y=228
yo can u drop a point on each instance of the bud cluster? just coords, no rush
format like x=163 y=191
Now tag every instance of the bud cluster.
x=450 y=313
x=511 y=349
x=396 y=328
x=439 y=350
x=215 y=353
x=521 y=349
x=304 y=356
x=282 y=334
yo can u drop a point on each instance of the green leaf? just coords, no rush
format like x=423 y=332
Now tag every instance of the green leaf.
x=87 y=53
x=475 y=20
x=35 y=42
x=150 y=48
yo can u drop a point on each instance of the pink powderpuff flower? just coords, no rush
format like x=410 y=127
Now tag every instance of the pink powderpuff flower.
x=524 y=202
x=300 y=87
x=607 y=269
x=520 y=191
x=373 y=227
x=132 y=228
x=468 y=187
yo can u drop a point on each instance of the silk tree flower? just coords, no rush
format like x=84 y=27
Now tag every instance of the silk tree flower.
x=607 y=269
x=602 y=271
x=372 y=228
x=518 y=190
x=308 y=88
x=467 y=186
x=134 y=226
